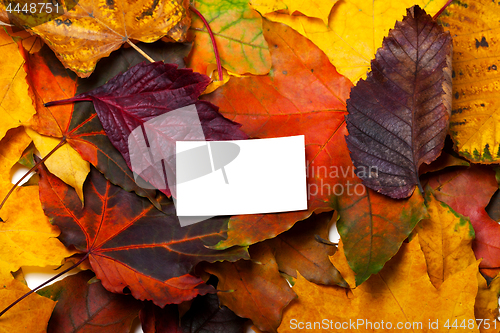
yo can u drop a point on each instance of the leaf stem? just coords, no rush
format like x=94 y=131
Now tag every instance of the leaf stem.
x=59 y=145
x=216 y=51
x=43 y=284
x=140 y=51
x=442 y=10
x=68 y=100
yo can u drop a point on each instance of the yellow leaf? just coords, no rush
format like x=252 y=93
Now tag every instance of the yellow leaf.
x=16 y=106
x=486 y=307
x=93 y=29
x=400 y=294
x=315 y=8
x=26 y=235
x=446 y=239
x=475 y=27
x=31 y=315
x=65 y=163
x=354 y=31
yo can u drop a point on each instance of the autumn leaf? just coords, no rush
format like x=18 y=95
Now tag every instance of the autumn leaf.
x=238 y=33
x=16 y=107
x=144 y=249
x=400 y=293
x=160 y=320
x=303 y=95
x=79 y=123
x=207 y=315
x=29 y=316
x=259 y=282
x=300 y=250
x=398 y=116
x=446 y=239
x=454 y=189
x=476 y=71
x=136 y=97
x=83 y=306
x=92 y=30
x=444 y=160
x=355 y=30
x=486 y=306
x=316 y=8
x=27 y=237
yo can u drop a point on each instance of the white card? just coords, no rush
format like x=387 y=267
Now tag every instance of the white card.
x=263 y=176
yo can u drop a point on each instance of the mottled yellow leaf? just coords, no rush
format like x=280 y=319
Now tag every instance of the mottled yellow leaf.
x=446 y=240
x=475 y=28
x=29 y=316
x=312 y=8
x=93 y=29
x=401 y=293
x=65 y=163
x=354 y=31
x=26 y=236
x=16 y=106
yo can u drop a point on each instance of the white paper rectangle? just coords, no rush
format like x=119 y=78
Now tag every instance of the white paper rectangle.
x=265 y=176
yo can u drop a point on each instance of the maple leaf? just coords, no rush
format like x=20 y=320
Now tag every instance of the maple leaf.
x=400 y=293
x=16 y=107
x=79 y=123
x=92 y=30
x=398 y=116
x=144 y=249
x=144 y=92
x=454 y=188
x=476 y=71
x=260 y=282
x=355 y=30
x=83 y=306
x=237 y=30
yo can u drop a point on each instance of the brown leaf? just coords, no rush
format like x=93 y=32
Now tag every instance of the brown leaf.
x=254 y=290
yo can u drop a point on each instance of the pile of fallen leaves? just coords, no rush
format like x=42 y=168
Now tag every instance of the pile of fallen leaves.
x=420 y=242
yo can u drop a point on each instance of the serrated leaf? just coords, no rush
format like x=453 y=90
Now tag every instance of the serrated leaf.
x=131 y=244
x=398 y=116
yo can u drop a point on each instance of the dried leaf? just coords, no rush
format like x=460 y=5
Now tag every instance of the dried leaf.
x=88 y=307
x=299 y=250
x=65 y=163
x=454 y=188
x=400 y=293
x=27 y=237
x=476 y=72
x=144 y=92
x=238 y=33
x=355 y=30
x=254 y=290
x=144 y=249
x=486 y=306
x=446 y=239
x=29 y=316
x=92 y=30
x=16 y=107
x=398 y=117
